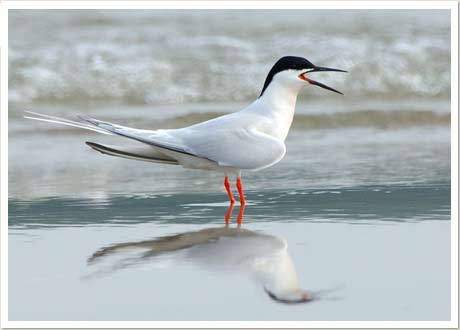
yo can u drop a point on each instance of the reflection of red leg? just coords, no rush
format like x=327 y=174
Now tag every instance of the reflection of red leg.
x=239 y=186
x=229 y=191
x=229 y=213
x=240 y=214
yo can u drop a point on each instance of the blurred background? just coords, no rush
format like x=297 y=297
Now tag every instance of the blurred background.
x=89 y=57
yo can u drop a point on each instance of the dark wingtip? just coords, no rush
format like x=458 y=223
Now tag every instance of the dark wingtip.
x=91 y=144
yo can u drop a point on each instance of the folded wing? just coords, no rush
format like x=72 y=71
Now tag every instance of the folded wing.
x=240 y=148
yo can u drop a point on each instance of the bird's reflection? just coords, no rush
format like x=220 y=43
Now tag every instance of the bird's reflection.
x=264 y=257
x=239 y=219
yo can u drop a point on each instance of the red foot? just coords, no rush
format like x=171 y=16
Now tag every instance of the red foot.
x=229 y=191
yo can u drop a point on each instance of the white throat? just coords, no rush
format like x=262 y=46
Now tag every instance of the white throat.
x=278 y=103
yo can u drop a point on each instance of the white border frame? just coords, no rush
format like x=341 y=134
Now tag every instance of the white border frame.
x=450 y=5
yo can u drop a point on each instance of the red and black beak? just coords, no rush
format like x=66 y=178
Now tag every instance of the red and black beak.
x=303 y=76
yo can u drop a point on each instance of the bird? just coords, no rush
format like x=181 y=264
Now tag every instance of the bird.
x=264 y=257
x=251 y=139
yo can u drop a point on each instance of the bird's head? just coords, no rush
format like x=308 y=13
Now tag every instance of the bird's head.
x=294 y=71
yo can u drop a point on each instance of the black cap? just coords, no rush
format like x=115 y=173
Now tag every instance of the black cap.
x=287 y=63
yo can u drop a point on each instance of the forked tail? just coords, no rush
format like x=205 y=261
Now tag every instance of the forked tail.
x=62 y=121
x=141 y=152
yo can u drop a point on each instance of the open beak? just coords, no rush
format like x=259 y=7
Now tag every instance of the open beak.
x=303 y=76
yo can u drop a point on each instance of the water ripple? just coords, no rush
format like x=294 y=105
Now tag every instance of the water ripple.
x=363 y=205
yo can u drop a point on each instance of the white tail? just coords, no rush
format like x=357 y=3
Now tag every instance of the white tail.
x=62 y=121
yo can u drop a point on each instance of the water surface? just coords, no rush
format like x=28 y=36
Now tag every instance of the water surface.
x=361 y=253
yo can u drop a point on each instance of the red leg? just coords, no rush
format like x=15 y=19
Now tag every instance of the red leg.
x=239 y=186
x=229 y=191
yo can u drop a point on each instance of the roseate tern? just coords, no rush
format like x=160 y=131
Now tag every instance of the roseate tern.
x=250 y=139
x=264 y=257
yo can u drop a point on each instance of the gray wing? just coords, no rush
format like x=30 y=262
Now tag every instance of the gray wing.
x=241 y=148
x=157 y=138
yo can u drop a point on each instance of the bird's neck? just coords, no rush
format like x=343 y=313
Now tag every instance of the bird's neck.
x=278 y=103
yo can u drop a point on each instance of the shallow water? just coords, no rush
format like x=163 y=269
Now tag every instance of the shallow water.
x=365 y=214
x=362 y=253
